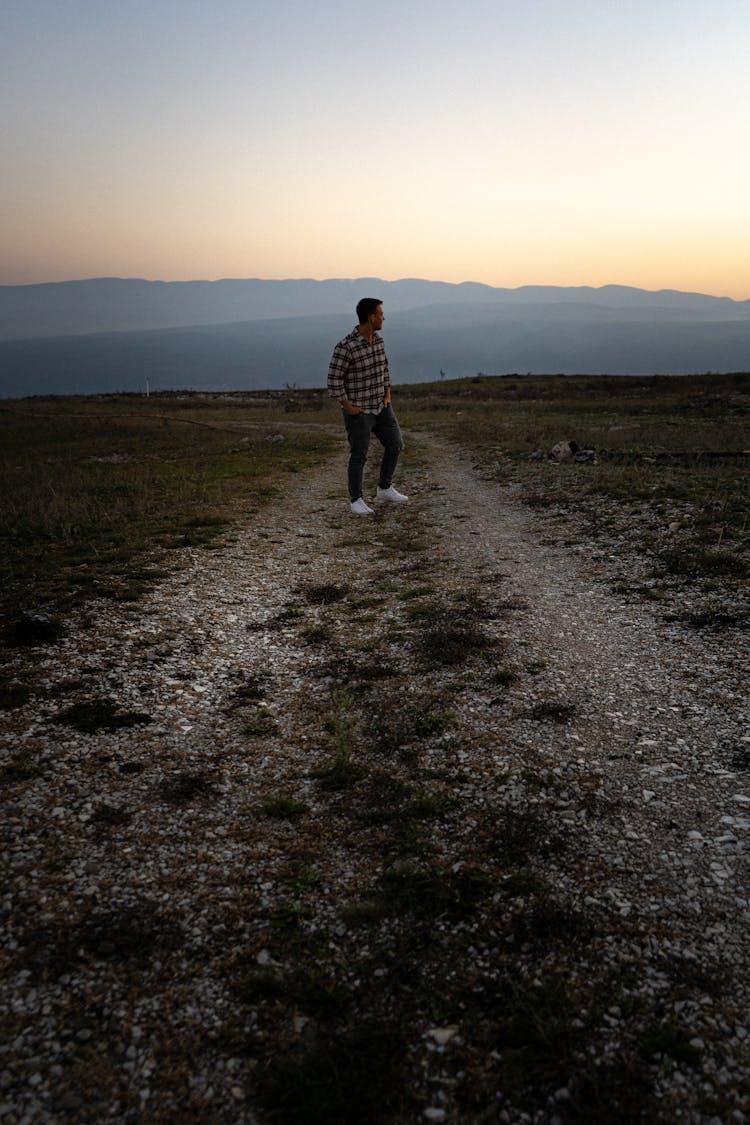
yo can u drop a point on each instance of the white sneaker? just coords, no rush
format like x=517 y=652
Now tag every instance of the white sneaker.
x=391 y=494
x=359 y=508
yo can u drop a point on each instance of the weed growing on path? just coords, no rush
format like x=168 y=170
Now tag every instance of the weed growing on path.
x=340 y=770
x=283 y=806
x=92 y=715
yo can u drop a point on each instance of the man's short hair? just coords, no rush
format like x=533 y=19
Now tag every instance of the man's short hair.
x=366 y=307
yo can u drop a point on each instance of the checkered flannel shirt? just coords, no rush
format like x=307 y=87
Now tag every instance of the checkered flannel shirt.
x=359 y=372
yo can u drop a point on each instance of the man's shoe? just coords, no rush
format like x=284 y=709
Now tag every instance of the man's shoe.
x=359 y=508
x=391 y=494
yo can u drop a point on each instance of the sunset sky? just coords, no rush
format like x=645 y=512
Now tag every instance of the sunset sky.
x=512 y=142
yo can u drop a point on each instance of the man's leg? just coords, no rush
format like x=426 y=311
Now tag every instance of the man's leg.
x=358 y=428
x=389 y=434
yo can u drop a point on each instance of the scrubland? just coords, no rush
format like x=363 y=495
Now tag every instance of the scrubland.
x=101 y=492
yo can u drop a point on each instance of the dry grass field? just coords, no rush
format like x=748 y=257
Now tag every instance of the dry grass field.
x=102 y=492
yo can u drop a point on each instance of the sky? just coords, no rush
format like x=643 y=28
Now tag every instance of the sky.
x=511 y=142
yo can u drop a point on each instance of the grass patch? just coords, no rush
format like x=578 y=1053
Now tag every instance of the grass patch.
x=713 y=618
x=132 y=932
x=382 y=798
x=449 y=632
x=14 y=695
x=94 y=715
x=288 y=917
x=547 y=922
x=337 y=773
x=409 y=839
x=36 y=629
x=433 y=722
x=451 y=646
x=671 y=1041
x=408 y=721
x=504 y=677
x=316 y=634
x=260 y=725
x=341 y=725
x=19 y=770
x=535 y=1033
x=250 y=692
x=355 y=1075
x=111 y=816
x=325 y=594
x=283 y=806
x=355 y=673
x=426 y=805
x=313 y=991
x=100 y=485
x=414 y=592
x=427 y=892
x=341 y=720
x=184 y=787
x=516 y=837
x=299 y=878
x=690 y=563
x=553 y=710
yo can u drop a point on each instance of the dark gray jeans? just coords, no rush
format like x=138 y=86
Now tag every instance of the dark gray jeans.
x=359 y=428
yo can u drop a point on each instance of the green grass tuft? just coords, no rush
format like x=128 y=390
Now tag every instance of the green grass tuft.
x=283 y=806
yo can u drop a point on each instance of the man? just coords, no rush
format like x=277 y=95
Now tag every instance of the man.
x=358 y=377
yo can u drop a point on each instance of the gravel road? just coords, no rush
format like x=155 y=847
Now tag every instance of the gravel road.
x=401 y=818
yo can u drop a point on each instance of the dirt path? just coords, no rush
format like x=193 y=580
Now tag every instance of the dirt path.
x=426 y=824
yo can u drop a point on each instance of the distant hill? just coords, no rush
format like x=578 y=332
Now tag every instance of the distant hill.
x=122 y=335
x=132 y=305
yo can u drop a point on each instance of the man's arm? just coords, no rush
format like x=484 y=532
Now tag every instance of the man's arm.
x=337 y=372
x=386 y=382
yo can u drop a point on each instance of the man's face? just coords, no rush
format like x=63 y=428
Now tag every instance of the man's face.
x=377 y=318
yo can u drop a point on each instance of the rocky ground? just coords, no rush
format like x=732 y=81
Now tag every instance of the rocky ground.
x=418 y=817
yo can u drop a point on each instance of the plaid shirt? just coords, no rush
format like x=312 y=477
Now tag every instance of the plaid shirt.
x=359 y=372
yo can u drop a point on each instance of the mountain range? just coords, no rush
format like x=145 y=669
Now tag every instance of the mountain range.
x=111 y=334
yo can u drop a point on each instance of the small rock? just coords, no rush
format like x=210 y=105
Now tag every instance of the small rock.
x=564 y=451
x=36 y=629
x=442 y=1035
